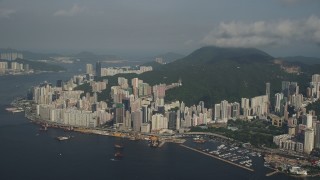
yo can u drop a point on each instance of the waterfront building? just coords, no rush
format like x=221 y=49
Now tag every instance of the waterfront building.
x=103 y=117
x=4 y=65
x=26 y=67
x=158 y=122
x=172 y=120
x=178 y=120
x=287 y=142
x=16 y=66
x=145 y=128
x=119 y=113
x=79 y=118
x=308 y=140
x=11 y=55
x=137 y=120
x=188 y=121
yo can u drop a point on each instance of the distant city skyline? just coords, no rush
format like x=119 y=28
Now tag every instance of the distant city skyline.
x=146 y=28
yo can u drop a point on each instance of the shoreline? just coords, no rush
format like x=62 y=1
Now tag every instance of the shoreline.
x=131 y=136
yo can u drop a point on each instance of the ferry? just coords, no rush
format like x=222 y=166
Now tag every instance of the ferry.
x=118 y=155
x=43 y=128
x=118 y=146
x=14 y=110
x=133 y=139
x=63 y=138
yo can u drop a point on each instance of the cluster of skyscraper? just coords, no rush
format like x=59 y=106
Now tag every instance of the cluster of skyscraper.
x=13 y=67
x=303 y=127
x=10 y=55
x=61 y=105
x=137 y=106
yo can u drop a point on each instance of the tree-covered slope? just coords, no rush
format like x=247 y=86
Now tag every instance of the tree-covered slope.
x=212 y=74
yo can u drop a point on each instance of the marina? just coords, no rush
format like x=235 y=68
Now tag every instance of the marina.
x=217 y=157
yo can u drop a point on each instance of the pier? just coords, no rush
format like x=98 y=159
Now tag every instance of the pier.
x=161 y=144
x=272 y=173
x=221 y=159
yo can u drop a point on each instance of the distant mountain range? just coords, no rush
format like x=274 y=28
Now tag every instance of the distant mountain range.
x=169 y=57
x=212 y=74
x=90 y=57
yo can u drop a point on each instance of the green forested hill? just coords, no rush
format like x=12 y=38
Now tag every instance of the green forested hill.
x=212 y=74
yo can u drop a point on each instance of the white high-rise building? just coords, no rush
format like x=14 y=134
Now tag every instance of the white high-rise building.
x=225 y=111
x=316 y=78
x=268 y=90
x=259 y=105
x=89 y=69
x=279 y=98
x=235 y=108
x=217 y=112
x=296 y=100
x=315 y=86
x=308 y=140
x=309 y=121
x=158 y=122
x=245 y=106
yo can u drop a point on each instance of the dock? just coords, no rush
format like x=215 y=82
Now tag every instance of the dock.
x=272 y=173
x=221 y=159
x=161 y=144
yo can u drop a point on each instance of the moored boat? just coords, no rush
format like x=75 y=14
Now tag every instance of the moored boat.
x=201 y=141
x=118 y=155
x=43 y=128
x=63 y=138
x=118 y=146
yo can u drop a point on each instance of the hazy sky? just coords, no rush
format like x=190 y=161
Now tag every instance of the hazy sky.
x=146 y=27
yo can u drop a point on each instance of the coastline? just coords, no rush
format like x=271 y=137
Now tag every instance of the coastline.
x=129 y=135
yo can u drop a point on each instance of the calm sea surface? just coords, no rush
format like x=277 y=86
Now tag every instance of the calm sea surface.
x=27 y=153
